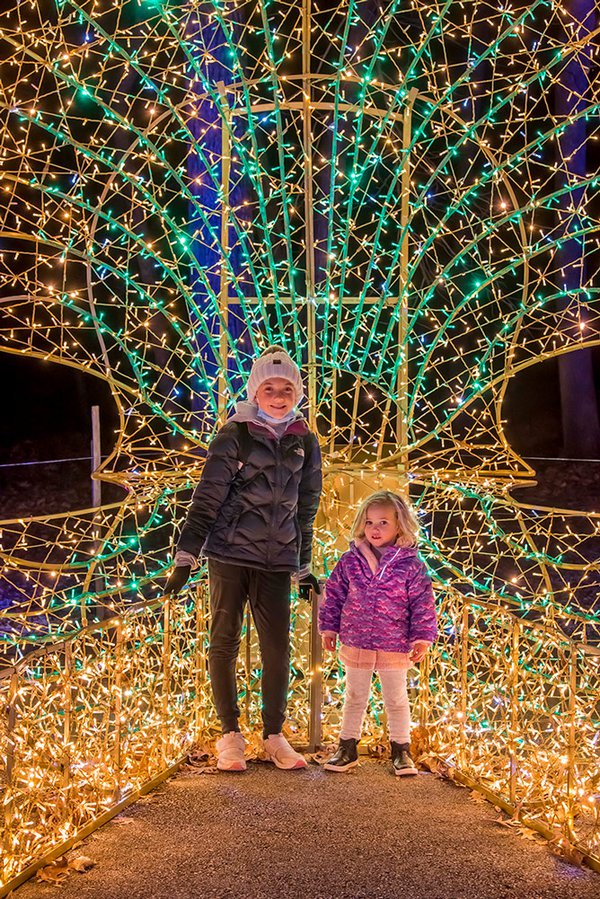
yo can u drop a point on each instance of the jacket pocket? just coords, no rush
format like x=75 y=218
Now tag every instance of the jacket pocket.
x=234 y=519
x=298 y=534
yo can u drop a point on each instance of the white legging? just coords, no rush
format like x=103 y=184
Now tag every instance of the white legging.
x=395 y=700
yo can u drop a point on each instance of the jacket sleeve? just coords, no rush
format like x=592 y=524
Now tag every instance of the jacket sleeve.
x=309 y=495
x=220 y=468
x=423 y=625
x=336 y=592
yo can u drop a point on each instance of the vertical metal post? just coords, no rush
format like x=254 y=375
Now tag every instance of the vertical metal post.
x=384 y=424
x=357 y=386
x=315 y=724
x=224 y=282
x=200 y=662
x=464 y=659
x=67 y=708
x=8 y=804
x=572 y=748
x=402 y=379
x=424 y=695
x=248 y=666
x=514 y=711
x=333 y=418
x=96 y=457
x=96 y=580
x=309 y=230
x=118 y=703
x=166 y=674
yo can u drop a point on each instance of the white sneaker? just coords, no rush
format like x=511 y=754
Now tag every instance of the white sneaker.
x=230 y=752
x=278 y=750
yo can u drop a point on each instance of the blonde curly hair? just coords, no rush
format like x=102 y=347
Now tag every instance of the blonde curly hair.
x=408 y=526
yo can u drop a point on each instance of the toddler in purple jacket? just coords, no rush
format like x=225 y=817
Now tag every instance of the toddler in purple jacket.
x=379 y=600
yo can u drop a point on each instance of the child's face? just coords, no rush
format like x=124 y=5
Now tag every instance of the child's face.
x=381 y=525
x=276 y=397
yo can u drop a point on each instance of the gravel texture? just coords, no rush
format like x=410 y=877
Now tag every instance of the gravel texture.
x=314 y=835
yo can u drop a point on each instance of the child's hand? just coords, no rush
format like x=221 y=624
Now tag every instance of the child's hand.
x=329 y=639
x=418 y=651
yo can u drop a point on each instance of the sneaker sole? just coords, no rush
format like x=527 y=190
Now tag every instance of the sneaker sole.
x=407 y=772
x=297 y=766
x=339 y=768
x=235 y=767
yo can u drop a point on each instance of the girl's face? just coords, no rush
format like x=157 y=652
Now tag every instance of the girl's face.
x=381 y=525
x=276 y=397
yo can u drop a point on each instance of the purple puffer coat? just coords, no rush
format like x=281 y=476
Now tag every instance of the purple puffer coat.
x=386 y=606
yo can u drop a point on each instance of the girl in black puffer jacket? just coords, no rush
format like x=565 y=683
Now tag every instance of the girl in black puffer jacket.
x=252 y=516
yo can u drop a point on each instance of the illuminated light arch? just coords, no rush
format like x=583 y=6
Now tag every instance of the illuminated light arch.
x=374 y=187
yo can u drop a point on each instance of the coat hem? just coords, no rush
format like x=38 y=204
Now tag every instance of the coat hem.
x=245 y=563
x=404 y=649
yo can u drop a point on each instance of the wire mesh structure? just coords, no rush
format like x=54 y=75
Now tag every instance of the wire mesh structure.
x=404 y=196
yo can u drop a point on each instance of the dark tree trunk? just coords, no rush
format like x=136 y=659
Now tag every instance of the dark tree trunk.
x=581 y=427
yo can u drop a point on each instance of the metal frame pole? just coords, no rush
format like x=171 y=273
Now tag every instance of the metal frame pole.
x=402 y=379
x=514 y=710
x=224 y=283
x=96 y=456
x=96 y=450
x=464 y=661
x=118 y=706
x=201 y=662
x=166 y=679
x=315 y=694
x=9 y=813
x=309 y=230
x=569 y=825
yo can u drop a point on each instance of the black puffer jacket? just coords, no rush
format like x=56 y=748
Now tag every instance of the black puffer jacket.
x=261 y=513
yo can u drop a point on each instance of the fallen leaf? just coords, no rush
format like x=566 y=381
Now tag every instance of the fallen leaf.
x=54 y=873
x=321 y=756
x=377 y=750
x=199 y=755
x=429 y=762
x=565 y=849
x=444 y=771
x=529 y=834
x=81 y=863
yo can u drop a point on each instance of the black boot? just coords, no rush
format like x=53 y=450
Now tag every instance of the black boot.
x=401 y=760
x=345 y=756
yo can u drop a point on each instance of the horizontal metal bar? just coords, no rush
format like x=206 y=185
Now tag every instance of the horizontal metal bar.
x=46 y=462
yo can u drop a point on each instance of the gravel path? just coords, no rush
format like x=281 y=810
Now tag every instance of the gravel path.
x=313 y=835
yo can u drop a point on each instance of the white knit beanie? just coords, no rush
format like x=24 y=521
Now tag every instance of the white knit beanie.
x=274 y=362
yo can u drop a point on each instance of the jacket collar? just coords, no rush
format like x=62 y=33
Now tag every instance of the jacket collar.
x=389 y=554
x=248 y=412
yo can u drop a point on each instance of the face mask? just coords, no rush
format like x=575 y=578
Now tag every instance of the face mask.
x=276 y=421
